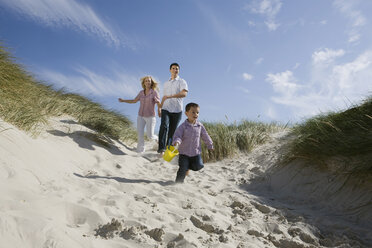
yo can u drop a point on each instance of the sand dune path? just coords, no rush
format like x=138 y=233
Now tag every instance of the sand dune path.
x=67 y=188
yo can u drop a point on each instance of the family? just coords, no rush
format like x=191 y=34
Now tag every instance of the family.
x=187 y=137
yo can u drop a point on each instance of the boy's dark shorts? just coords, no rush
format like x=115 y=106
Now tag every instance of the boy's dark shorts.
x=194 y=163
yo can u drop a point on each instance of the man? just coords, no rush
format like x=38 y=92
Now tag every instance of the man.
x=175 y=89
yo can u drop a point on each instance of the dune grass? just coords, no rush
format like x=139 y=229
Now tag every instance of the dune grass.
x=28 y=104
x=346 y=135
x=230 y=139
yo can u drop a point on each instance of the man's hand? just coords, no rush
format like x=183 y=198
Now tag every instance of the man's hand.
x=163 y=99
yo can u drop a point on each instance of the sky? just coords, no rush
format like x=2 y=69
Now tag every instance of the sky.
x=259 y=60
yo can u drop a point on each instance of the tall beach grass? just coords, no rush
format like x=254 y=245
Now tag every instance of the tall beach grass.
x=230 y=139
x=344 y=135
x=28 y=104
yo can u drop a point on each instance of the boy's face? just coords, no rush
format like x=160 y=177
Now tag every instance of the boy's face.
x=174 y=70
x=192 y=114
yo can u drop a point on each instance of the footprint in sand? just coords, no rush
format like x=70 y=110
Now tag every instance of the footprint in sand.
x=156 y=234
x=6 y=172
x=78 y=215
x=241 y=209
x=262 y=208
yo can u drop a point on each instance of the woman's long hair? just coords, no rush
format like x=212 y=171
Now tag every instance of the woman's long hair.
x=154 y=84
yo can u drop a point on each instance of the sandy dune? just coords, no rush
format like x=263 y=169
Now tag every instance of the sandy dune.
x=66 y=188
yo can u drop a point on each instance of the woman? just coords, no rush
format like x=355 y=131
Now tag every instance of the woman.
x=148 y=97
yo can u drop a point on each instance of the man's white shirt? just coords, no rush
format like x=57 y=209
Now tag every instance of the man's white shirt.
x=172 y=87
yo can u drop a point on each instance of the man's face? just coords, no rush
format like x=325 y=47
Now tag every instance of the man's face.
x=174 y=70
x=193 y=114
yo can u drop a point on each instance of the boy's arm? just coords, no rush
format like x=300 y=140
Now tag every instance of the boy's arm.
x=177 y=137
x=206 y=138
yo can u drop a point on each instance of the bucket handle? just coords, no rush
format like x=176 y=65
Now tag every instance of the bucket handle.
x=174 y=148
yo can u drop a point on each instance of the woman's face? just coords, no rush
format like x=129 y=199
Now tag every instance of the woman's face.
x=147 y=83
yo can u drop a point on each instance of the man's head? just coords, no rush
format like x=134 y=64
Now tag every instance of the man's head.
x=174 y=64
x=192 y=111
x=174 y=70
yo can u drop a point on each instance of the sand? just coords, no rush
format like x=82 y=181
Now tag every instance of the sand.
x=68 y=188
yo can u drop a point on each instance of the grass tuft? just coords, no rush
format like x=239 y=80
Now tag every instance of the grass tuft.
x=346 y=135
x=229 y=139
x=28 y=104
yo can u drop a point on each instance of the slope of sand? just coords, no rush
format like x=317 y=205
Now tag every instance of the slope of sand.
x=66 y=188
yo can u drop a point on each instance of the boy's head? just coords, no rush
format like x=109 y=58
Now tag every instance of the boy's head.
x=192 y=111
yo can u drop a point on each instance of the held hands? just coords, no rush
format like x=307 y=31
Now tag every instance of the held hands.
x=163 y=99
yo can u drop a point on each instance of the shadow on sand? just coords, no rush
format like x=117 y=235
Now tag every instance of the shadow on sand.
x=126 y=180
x=88 y=140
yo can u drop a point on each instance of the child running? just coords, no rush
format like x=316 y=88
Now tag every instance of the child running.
x=187 y=138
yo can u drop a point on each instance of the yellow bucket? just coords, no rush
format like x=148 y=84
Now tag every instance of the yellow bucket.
x=170 y=153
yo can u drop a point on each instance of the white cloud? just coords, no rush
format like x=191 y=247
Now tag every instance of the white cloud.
x=357 y=19
x=354 y=77
x=259 y=61
x=242 y=89
x=247 y=76
x=69 y=13
x=283 y=83
x=326 y=56
x=271 y=112
x=87 y=82
x=251 y=23
x=272 y=25
x=267 y=8
x=330 y=88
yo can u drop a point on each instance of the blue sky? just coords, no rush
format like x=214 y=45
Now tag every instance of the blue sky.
x=268 y=60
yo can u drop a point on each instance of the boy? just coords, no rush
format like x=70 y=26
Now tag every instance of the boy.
x=187 y=137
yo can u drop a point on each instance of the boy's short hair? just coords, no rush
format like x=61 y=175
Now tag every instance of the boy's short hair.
x=170 y=67
x=191 y=105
